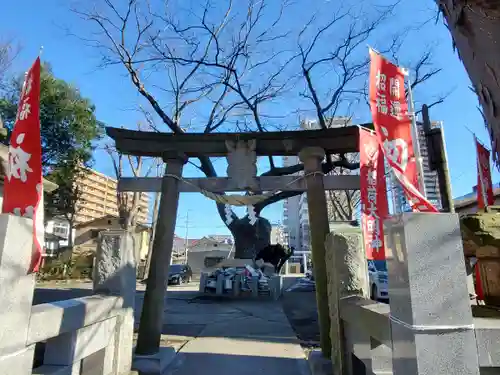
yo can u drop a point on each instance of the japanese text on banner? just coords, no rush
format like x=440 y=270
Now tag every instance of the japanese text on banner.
x=393 y=127
x=373 y=193
x=485 y=195
x=23 y=179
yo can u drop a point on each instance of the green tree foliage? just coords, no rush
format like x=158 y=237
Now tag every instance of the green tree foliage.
x=69 y=129
x=68 y=121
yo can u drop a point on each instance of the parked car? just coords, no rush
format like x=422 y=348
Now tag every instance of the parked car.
x=179 y=274
x=377 y=273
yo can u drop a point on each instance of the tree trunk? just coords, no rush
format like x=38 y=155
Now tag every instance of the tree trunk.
x=70 y=234
x=250 y=239
x=475 y=28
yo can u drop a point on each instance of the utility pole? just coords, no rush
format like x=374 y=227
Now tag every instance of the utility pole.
x=186 y=239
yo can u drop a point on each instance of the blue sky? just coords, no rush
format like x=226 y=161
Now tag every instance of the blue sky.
x=35 y=23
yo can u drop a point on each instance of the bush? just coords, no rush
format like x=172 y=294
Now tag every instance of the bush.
x=61 y=269
x=55 y=270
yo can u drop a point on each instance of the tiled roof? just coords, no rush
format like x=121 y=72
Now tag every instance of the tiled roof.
x=471 y=199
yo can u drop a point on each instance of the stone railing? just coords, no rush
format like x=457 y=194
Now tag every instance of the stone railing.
x=89 y=335
x=369 y=342
x=428 y=326
x=82 y=336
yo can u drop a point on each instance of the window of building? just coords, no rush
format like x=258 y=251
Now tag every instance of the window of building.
x=212 y=261
x=61 y=230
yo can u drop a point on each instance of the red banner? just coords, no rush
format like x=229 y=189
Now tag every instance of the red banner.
x=393 y=126
x=373 y=192
x=484 y=185
x=23 y=181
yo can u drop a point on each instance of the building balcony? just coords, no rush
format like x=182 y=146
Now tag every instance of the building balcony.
x=301 y=252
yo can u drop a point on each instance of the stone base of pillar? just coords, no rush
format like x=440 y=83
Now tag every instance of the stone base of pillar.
x=154 y=364
x=431 y=317
x=318 y=364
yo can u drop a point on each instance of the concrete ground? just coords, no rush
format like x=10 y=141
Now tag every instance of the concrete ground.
x=216 y=336
x=299 y=305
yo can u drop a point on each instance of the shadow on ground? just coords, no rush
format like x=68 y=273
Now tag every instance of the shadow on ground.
x=300 y=309
x=229 y=364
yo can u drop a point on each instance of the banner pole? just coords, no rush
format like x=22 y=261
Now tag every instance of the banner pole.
x=416 y=143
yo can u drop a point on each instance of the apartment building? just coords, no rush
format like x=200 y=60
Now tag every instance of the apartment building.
x=277 y=235
x=98 y=198
x=291 y=208
x=430 y=177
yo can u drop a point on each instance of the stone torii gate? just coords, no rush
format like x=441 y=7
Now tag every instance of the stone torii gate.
x=176 y=149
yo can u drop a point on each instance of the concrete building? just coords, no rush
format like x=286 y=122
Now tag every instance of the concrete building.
x=206 y=253
x=180 y=248
x=98 y=198
x=467 y=204
x=87 y=234
x=224 y=238
x=291 y=208
x=305 y=239
x=57 y=235
x=277 y=234
x=430 y=177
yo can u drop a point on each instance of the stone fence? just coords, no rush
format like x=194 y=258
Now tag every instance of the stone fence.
x=83 y=336
x=89 y=335
x=428 y=327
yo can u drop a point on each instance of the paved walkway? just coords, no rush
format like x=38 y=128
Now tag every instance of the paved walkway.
x=229 y=337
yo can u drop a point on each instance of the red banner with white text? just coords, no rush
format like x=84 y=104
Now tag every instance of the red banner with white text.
x=23 y=181
x=374 y=208
x=484 y=185
x=393 y=127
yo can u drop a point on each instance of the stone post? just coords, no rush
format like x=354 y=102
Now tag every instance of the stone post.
x=115 y=266
x=151 y=323
x=115 y=274
x=312 y=157
x=203 y=282
x=237 y=285
x=347 y=276
x=431 y=317
x=254 y=286
x=16 y=294
x=219 y=285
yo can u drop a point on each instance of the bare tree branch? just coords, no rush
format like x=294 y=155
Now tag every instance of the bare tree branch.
x=8 y=53
x=227 y=66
